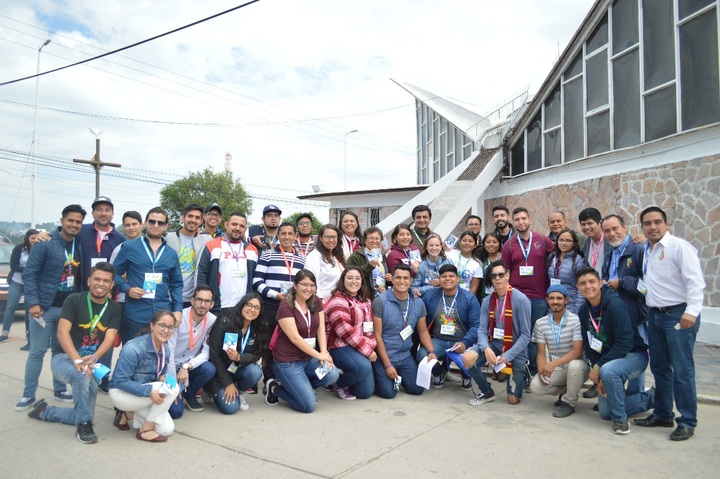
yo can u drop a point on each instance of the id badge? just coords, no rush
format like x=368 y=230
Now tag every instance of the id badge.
x=527 y=270
x=311 y=342
x=237 y=273
x=368 y=327
x=70 y=281
x=150 y=284
x=406 y=332
x=498 y=333
x=232 y=368
x=595 y=343
x=554 y=281
x=285 y=287
x=94 y=261
x=447 y=329
x=642 y=287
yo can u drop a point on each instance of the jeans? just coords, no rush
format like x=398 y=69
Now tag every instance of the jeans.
x=406 y=369
x=672 y=365
x=357 y=371
x=197 y=378
x=298 y=381
x=565 y=380
x=84 y=387
x=617 y=406
x=515 y=383
x=270 y=309
x=538 y=309
x=15 y=292
x=637 y=385
x=145 y=409
x=129 y=329
x=244 y=378
x=40 y=339
x=440 y=346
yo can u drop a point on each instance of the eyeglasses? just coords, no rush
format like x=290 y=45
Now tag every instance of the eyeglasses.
x=497 y=275
x=165 y=327
x=213 y=215
x=329 y=238
x=157 y=222
x=254 y=307
x=202 y=301
x=304 y=223
x=307 y=285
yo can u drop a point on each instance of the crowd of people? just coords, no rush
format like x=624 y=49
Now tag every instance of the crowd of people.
x=215 y=311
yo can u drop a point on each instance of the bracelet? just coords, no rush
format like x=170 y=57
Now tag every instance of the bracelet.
x=95 y=358
x=388 y=366
x=431 y=352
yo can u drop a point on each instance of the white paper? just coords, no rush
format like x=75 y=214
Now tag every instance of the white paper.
x=424 y=374
x=499 y=367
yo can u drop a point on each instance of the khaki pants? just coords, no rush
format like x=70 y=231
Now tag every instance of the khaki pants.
x=566 y=380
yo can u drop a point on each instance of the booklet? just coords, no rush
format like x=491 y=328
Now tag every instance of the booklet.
x=424 y=374
x=451 y=241
x=230 y=341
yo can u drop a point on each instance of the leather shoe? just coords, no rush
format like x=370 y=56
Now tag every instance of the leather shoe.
x=682 y=433
x=653 y=421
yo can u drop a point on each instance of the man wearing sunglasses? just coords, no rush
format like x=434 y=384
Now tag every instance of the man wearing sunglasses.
x=154 y=279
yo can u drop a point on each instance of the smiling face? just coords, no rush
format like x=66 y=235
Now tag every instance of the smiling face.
x=403 y=238
x=162 y=329
x=589 y=287
x=305 y=288
x=421 y=220
x=349 y=225
x=235 y=228
x=286 y=236
x=615 y=233
x=353 y=282
x=491 y=245
x=373 y=241
x=71 y=224
x=591 y=229
x=329 y=239
x=654 y=226
x=467 y=244
x=434 y=247
x=212 y=218
x=103 y=214
x=201 y=303
x=500 y=218
x=449 y=282
x=474 y=225
x=557 y=222
x=401 y=281
x=192 y=220
x=251 y=310
x=521 y=221
x=132 y=228
x=565 y=242
x=304 y=227
x=100 y=284
x=557 y=302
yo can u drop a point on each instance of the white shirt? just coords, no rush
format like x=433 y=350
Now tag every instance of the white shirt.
x=179 y=342
x=326 y=275
x=673 y=275
x=232 y=272
x=468 y=268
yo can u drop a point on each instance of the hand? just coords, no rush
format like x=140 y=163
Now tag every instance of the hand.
x=613 y=284
x=388 y=277
x=375 y=263
x=178 y=317
x=490 y=356
x=135 y=292
x=231 y=393
x=44 y=236
x=546 y=370
x=435 y=282
x=469 y=358
x=459 y=347
x=258 y=241
x=601 y=389
x=417 y=293
x=156 y=397
x=429 y=358
x=182 y=376
x=500 y=360
x=687 y=321
x=416 y=266
x=373 y=357
x=325 y=357
x=35 y=311
x=594 y=375
x=280 y=296
x=381 y=289
x=391 y=372
x=639 y=238
x=232 y=355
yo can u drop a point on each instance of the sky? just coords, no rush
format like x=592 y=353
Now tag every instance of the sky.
x=278 y=84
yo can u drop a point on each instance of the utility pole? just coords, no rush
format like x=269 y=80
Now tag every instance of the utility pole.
x=97 y=164
x=34 y=139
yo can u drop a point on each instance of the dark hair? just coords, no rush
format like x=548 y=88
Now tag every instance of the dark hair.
x=586 y=270
x=358 y=231
x=480 y=252
x=520 y=209
x=234 y=318
x=401 y=267
x=619 y=218
x=424 y=252
x=371 y=230
x=493 y=265
x=473 y=217
x=500 y=208
x=73 y=209
x=201 y=287
x=132 y=214
x=158 y=210
x=286 y=224
x=572 y=253
x=155 y=318
x=365 y=293
x=396 y=231
x=304 y=215
x=447 y=267
x=337 y=251
x=237 y=213
x=103 y=266
x=420 y=209
x=192 y=207
x=590 y=214
x=292 y=294
x=653 y=209
x=26 y=241
x=470 y=234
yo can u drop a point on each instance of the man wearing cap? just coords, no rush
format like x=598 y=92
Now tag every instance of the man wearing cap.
x=265 y=236
x=188 y=242
x=454 y=317
x=212 y=218
x=561 y=369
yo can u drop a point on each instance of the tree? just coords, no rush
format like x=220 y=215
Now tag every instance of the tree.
x=315 y=222
x=204 y=188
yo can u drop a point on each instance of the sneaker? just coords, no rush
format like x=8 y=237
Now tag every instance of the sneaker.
x=25 y=348
x=243 y=404
x=192 y=404
x=466 y=384
x=85 y=433
x=38 y=409
x=621 y=427
x=591 y=392
x=64 y=396
x=438 y=382
x=3 y=338
x=558 y=402
x=24 y=403
x=345 y=394
x=330 y=388
x=482 y=398
x=452 y=377
x=207 y=399
x=270 y=398
x=252 y=390
x=563 y=410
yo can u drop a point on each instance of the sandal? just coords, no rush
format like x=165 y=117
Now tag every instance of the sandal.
x=117 y=422
x=158 y=438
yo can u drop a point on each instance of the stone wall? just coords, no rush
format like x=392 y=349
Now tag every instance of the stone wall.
x=364 y=214
x=689 y=191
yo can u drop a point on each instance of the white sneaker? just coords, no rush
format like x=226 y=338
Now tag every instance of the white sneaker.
x=243 y=404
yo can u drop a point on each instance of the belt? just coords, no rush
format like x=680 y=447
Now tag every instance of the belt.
x=665 y=309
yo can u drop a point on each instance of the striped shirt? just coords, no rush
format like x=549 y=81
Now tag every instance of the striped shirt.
x=570 y=331
x=275 y=272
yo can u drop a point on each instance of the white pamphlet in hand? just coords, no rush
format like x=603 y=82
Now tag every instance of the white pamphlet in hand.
x=499 y=367
x=424 y=374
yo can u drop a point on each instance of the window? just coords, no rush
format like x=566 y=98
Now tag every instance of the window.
x=374 y=215
x=534 y=144
x=574 y=134
x=658 y=44
x=625 y=24
x=518 y=157
x=626 y=99
x=660 y=115
x=597 y=81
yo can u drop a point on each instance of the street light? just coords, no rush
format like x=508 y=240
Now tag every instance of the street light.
x=34 y=140
x=346 y=135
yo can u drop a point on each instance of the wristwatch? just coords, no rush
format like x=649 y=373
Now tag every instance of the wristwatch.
x=186 y=366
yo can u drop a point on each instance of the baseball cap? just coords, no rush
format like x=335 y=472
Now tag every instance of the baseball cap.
x=270 y=209
x=557 y=288
x=213 y=206
x=103 y=199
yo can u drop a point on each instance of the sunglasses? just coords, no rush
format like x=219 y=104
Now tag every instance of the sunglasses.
x=497 y=276
x=156 y=222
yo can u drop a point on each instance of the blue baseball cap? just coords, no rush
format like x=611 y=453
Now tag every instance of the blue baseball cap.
x=557 y=288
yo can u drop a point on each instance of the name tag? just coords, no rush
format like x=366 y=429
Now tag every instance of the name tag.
x=498 y=333
x=311 y=342
x=406 y=332
x=595 y=343
x=447 y=329
x=641 y=286
x=70 y=281
x=237 y=273
x=368 y=327
x=94 y=261
x=554 y=281
x=150 y=284
x=527 y=270
x=232 y=368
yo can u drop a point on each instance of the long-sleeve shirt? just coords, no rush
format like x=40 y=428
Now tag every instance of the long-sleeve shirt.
x=520 y=326
x=326 y=274
x=182 y=350
x=345 y=320
x=275 y=270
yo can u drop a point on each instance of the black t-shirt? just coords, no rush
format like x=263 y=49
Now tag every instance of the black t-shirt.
x=453 y=330
x=70 y=279
x=75 y=310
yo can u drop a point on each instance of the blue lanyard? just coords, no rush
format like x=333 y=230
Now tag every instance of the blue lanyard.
x=70 y=258
x=246 y=336
x=616 y=254
x=526 y=253
x=646 y=258
x=236 y=256
x=150 y=256
x=448 y=312
x=556 y=336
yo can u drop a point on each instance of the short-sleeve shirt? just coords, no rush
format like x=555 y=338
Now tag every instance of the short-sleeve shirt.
x=285 y=350
x=85 y=338
x=570 y=331
x=71 y=268
x=467 y=268
x=450 y=318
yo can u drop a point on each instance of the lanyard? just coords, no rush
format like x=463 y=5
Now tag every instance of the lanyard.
x=100 y=237
x=595 y=250
x=420 y=240
x=350 y=243
x=246 y=336
x=307 y=247
x=448 y=312
x=288 y=265
x=95 y=319
x=70 y=258
x=407 y=253
x=236 y=256
x=192 y=329
x=526 y=253
x=461 y=267
x=558 y=263
x=500 y=313
x=306 y=316
x=616 y=254
x=150 y=256
x=407 y=310
x=556 y=336
x=161 y=365
x=646 y=257
x=599 y=321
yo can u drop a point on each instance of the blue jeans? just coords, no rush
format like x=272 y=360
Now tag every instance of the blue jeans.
x=298 y=381
x=439 y=345
x=406 y=369
x=197 y=378
x=40 y=339
x=617 y=406
x=672 y=365
x=538 y=309
x=515 y=383
x=357 y=371
x=637 y=385
x=84 y=388
x=244 y=378
x=15 y=292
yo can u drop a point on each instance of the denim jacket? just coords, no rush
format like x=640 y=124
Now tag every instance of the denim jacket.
x=420 y=281
x=137 y=366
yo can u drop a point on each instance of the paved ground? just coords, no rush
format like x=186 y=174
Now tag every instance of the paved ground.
x=434 y=435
